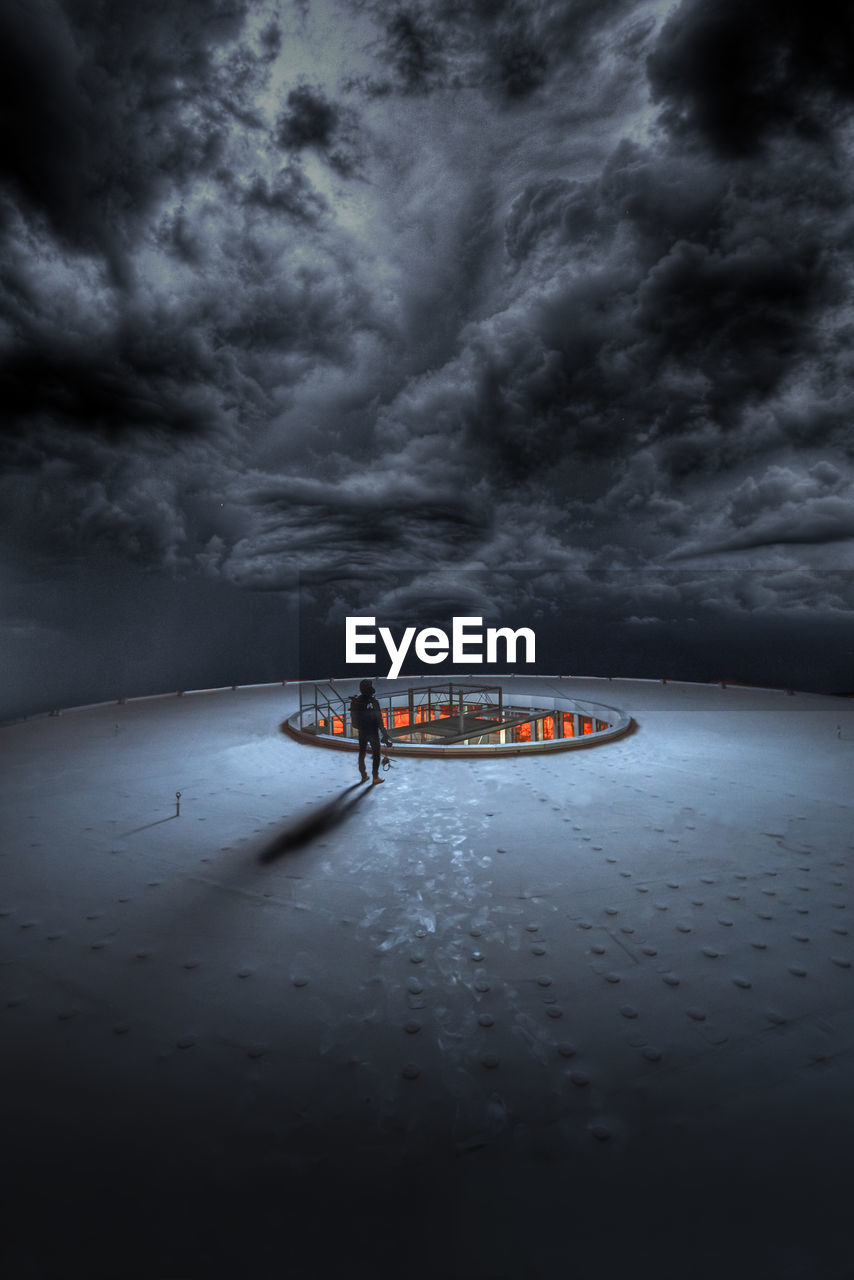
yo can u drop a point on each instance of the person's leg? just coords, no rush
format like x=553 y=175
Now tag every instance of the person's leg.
x=363 y=744
x=375 y=753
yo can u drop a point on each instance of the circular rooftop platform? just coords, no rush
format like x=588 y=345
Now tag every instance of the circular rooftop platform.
x=515 y=1018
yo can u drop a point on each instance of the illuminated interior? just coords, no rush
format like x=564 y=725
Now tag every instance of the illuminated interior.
x=454 y=715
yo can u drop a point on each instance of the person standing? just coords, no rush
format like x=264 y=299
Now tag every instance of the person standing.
x=367 y=718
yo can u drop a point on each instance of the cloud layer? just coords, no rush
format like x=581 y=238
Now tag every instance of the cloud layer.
x=350 y=292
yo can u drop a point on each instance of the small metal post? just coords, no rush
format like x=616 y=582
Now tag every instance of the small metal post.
x=177 y=804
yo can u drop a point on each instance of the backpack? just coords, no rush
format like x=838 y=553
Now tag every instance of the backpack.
x=363 y=717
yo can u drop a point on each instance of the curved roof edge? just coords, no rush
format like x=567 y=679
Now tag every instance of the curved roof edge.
x=505 y=675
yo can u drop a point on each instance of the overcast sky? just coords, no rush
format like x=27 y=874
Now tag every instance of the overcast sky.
x=534 y=311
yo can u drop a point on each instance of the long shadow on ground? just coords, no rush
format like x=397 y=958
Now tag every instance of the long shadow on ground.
x=316 y=824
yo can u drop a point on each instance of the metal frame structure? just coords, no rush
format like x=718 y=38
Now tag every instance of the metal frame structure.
x=439 y=716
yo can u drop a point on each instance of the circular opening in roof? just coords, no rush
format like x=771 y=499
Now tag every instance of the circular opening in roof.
x=457 y=718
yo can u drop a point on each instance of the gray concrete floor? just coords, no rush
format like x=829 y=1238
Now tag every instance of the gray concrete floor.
x=588 y=1013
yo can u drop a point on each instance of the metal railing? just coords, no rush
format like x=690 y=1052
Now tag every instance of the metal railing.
x=444 y=715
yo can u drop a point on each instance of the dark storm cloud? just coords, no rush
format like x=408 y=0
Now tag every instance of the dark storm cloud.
x=672 y=321
x=82 y=500
x=784 y=507
x=142 y=374
x=289 y=193
x=105 y=106
x=700 y=286
x=311 y=121
x=371 y=291
x=165 y=366
x=151 y=317
x=414 y=50
x=426 y=47
x=738 y=74
x=521 y=65
x=683 y=297
x=114 y=424
x=300 y=527
x=507 y=47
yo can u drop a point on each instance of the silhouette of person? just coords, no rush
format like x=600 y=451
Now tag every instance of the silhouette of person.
x=367 y=718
